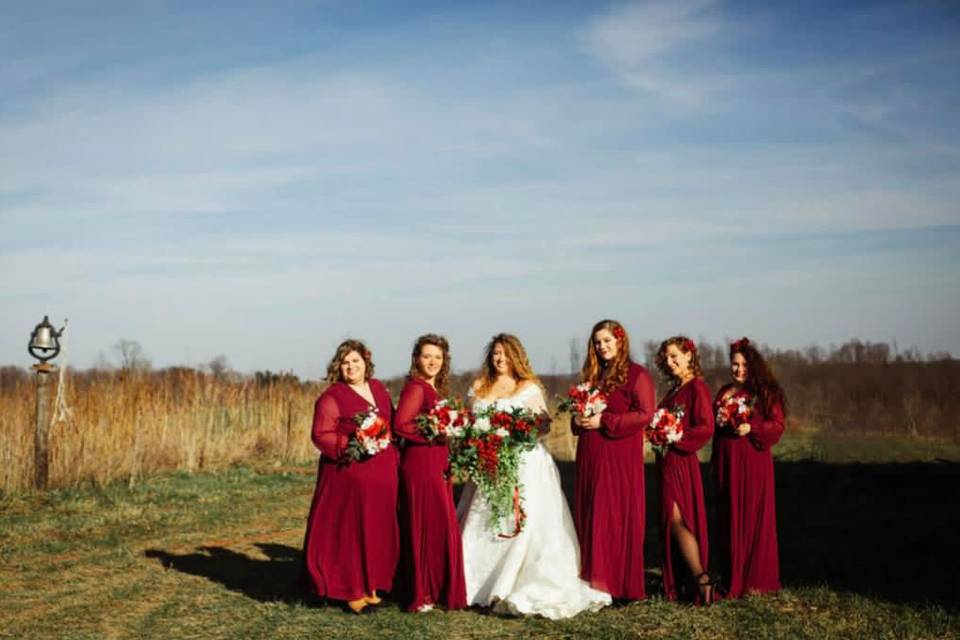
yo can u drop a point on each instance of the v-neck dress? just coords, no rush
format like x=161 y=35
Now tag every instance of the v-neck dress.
x=352 y=541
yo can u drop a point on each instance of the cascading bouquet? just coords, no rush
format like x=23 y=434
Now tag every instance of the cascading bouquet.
x=488 y=453
x=371 y=437
x=583 y=399
x=735 y=410
x=665 y=428
x=446 y=419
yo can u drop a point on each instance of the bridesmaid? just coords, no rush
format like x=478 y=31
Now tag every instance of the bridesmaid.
x=352 y=539
x=432 y=565
x=609 y=508
x=747 y=517
x=683 y=516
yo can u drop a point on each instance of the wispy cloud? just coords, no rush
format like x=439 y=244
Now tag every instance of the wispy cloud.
x=647 y=44
x=513 y=184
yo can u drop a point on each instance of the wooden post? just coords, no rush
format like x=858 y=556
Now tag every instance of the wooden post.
x=41 y=439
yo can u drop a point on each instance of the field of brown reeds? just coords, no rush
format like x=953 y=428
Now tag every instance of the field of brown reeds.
x=124 y=424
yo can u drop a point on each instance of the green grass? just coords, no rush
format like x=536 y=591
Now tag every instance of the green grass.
x=217 y=555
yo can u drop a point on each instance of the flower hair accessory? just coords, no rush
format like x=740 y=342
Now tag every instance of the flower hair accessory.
x=740 y=344
x=618 y=332
x=688 y=345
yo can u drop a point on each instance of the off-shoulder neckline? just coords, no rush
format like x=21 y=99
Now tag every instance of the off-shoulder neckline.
x=521 y=389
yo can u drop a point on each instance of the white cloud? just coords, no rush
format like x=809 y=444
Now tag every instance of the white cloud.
x=642 y=41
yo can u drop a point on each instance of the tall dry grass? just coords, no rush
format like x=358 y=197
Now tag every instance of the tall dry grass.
x=125 y=425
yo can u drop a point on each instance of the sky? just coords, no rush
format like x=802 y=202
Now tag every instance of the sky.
x=263 y=180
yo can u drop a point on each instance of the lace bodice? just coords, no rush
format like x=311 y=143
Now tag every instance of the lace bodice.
x=537 y=571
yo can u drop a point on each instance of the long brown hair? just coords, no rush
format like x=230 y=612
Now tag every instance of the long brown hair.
x=519 y=363
x=345 y=347
x=440 y=383
x=760 y=379
x=597 y=372
x=686 y=345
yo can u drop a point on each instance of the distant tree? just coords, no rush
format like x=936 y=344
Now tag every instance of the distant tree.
x=650 y=348
x=219 y=366
x=267 y=378
x=11 y=376
x=813 y=354
x=103 y=363
x=132 y=356
x=576 y=356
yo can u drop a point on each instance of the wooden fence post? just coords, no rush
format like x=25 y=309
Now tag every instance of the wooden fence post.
x=41 y=436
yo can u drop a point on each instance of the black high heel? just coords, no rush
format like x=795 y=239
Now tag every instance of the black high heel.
x=709 y=590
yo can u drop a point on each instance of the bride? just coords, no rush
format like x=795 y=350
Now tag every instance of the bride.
x=535 y=572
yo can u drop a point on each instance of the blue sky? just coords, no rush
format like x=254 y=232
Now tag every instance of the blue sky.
x=262 y=180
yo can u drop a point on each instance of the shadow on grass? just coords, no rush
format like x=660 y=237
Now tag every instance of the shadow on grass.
x=881 y=530
x=270 y=580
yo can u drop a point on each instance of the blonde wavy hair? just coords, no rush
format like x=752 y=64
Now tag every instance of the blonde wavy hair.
x=343 y=350
x=520 y=367
x=608 y=377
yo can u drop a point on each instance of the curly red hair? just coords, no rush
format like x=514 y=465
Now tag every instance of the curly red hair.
x=603 y=375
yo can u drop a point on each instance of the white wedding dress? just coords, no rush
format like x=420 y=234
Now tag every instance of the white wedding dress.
x=536 y=572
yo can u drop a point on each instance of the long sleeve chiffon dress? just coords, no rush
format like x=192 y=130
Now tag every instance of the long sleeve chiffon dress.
x=431 y=566
x=746 y=503
x=678 y=472
x=610 y=503
x=351 y=545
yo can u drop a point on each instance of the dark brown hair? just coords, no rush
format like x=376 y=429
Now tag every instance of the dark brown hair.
x=760 y=379
x=343 y=350
x=442 y=379
x=597 y=372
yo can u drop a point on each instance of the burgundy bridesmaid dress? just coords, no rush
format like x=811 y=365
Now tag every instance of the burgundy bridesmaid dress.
x=746 y=504
x=431 y=566
x=352 y=541
x=609 y=504
x=679 y=474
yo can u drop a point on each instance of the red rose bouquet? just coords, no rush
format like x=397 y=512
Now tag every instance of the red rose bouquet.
x=665 y=428
x=583 y=399
x=735 y=410
x=488 y=453
x=447 y=419
x=371 y=437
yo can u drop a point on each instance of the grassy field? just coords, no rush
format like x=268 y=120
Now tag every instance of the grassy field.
x=868 y=551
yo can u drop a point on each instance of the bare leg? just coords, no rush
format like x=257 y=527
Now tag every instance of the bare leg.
x=690 y=550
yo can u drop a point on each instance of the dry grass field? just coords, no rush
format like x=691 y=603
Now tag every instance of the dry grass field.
x=179 y=500
x=124 y=426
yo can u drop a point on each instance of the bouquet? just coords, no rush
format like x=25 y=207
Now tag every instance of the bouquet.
x=488 y=452
x=665 y=428
x=446 y=419
x=371 y=437
x=583 y=399
x=735 y=410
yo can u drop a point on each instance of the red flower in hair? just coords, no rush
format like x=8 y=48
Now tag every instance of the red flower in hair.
x=688 y=345
x=619 y=333
x=740 y=344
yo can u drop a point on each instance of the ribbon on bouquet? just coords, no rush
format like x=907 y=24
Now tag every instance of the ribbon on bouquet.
x=518 y=516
